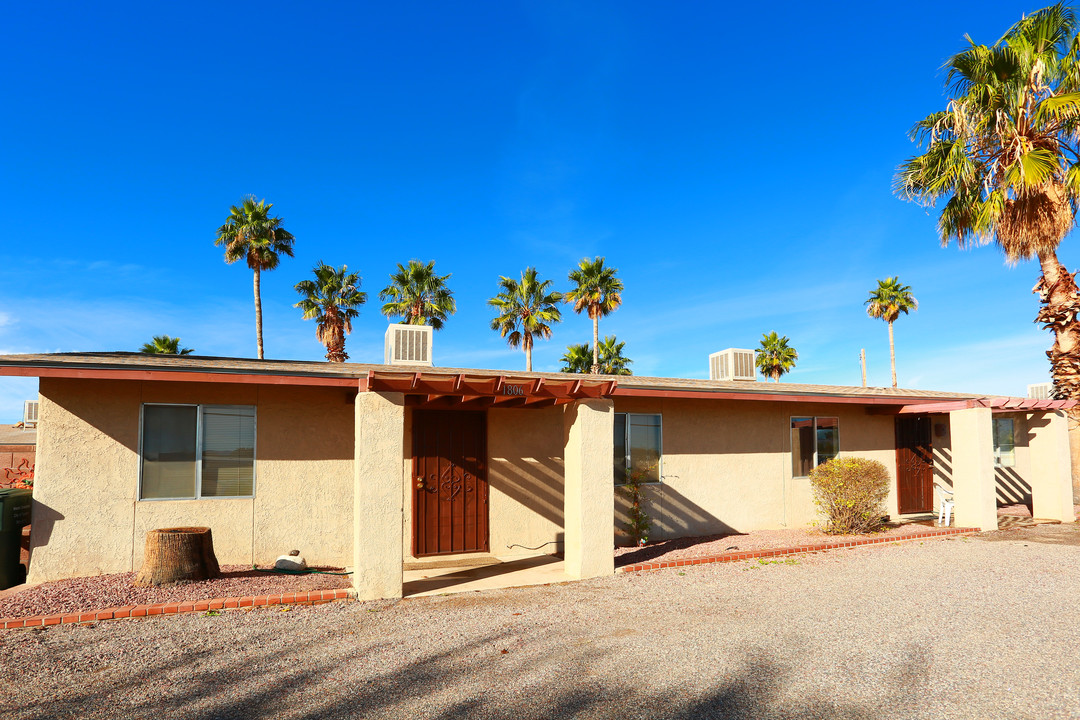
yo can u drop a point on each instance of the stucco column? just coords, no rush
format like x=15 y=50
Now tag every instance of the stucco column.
x=378 y=520
x=973 y=468
x=1051 y=474
x=589 y=497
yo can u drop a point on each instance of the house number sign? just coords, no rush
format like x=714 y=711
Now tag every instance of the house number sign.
x=513 y=390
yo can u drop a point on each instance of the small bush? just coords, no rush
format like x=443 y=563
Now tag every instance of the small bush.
x=850 y=493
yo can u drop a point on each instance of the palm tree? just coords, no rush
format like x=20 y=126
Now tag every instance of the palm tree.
x=526 y=309
x=597 y=290
x=612 y=360
x=331 y=299
x=886 y=302
x=1002 y=156
x=578 y=358
x=774 y=356
x=418 y=296
x=250 y=232
x=165 y=345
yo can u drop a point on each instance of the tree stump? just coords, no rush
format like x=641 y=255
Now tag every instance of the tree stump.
x=175 y=555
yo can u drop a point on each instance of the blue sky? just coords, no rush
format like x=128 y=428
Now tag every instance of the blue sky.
x=734 y=162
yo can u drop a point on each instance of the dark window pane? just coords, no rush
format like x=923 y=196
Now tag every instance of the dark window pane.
x=619 y=453
x=1004 y=442
x=802 y=446
x=228 y=462
x=169 y=450
x=828 y=439
x=645 y=446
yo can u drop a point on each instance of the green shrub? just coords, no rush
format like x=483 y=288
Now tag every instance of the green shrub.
x=850 y=493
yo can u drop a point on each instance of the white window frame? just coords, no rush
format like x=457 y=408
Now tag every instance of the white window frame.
x=791 y=450
x=626 y=444
x=997 y=450
x=199 y=451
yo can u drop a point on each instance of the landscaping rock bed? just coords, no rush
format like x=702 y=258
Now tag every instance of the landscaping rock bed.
x=109 y=591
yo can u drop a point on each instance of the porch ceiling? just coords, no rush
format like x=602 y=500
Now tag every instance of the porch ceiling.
x=476 y=391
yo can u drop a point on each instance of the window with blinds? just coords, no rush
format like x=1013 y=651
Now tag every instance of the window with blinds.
x=197 y=451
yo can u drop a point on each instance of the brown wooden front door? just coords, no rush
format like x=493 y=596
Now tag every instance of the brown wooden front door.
x=914 y=464
x=450 y=489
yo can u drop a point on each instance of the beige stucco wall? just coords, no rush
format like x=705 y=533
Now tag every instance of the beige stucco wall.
x=1012 y=484
x=87 y=518
x=727 y=464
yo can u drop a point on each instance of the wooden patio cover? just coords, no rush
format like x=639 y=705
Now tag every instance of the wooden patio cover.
x=997 y=404
x=473 y=391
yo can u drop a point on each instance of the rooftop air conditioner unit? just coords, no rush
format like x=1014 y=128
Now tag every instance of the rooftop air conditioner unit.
x=1040 y=391
x=408 y=345
x=30 y=413
x=732 y=364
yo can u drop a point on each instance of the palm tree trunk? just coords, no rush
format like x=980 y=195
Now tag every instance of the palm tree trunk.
x=258 y=315
x=1061 y=302
x=528 y=353
x=596 y=344
x=892 y=355
x=1058 y=293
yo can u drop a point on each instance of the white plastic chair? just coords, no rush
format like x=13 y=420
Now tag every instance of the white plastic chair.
x=945 y=509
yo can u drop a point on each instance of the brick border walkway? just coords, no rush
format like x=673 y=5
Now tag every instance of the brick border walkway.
x=314 y=597
x=773 y=552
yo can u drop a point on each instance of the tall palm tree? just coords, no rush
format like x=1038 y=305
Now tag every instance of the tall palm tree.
x=886 y=302
x=774 y=356
x=418 y=296
x=597 y=290
x=250 y=232
x=1002 y=156
x=526 y=309
x=165 y=345
x=578 y=358
x=331 y=300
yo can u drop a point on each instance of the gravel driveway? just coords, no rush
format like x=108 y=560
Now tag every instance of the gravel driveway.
x=959 y=628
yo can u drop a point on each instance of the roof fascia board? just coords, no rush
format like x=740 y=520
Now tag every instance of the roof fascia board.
x=623 y=391
x=179 y=376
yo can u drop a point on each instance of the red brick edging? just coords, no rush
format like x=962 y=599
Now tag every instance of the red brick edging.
x=134 y=611
x=752 y=554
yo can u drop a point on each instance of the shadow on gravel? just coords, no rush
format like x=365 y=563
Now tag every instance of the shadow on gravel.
x=1050 y=534
x=294 y=677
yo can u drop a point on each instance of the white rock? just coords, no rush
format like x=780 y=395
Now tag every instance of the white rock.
x=290 y=562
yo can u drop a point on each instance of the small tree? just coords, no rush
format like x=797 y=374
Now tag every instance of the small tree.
x=850 y=493
x=637 y=522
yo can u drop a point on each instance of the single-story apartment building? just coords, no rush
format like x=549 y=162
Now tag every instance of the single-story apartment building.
x=374 y=466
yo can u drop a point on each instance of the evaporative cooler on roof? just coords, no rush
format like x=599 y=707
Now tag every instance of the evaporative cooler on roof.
x=732 y=364
x=1040 y=391
x=30 y=413
x=408 y=345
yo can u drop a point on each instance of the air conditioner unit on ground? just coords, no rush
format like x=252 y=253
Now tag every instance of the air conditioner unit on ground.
x=1040 y=391
x=732 y=364
x=408 y=345
x=30 y=413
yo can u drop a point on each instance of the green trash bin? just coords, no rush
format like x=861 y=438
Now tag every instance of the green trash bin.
x=14 y=516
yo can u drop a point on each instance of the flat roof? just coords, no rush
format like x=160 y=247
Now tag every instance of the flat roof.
x=193 y=368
